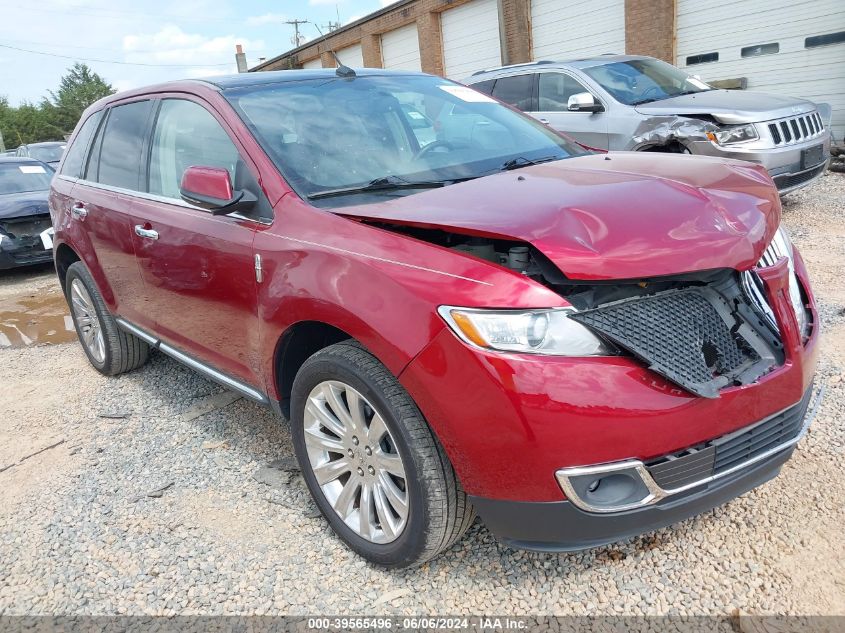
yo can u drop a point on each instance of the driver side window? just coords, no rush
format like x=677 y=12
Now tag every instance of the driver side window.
x=555 y=90
x=186 y=134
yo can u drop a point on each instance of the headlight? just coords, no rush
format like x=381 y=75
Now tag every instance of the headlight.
x=529 y=331
x=733 y=134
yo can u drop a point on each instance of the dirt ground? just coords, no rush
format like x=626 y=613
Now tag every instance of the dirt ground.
x=80 y=454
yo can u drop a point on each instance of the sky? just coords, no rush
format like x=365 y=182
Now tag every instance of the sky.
x=174 y=38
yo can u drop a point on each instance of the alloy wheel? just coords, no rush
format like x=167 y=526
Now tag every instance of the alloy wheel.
x=90 y=330
x=356 y=462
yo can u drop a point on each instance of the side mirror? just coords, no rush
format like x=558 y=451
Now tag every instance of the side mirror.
x=584 y=102
x=211 y=188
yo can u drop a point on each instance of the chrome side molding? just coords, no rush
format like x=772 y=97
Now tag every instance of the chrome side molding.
x=207 y=371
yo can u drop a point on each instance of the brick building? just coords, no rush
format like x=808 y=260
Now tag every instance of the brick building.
x=780 y=46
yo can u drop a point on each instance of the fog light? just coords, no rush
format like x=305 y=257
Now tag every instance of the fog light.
x=608 y=488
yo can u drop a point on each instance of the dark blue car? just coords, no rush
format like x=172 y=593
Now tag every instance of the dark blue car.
x=25 y=227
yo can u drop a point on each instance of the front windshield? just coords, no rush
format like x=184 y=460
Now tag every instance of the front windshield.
x=47 y=153
x=23 y=177
x=332 y=133
x=639 y=81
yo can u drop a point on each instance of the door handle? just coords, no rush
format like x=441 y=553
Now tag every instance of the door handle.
x=148 y=233
x=544 y=121
x=78 y=211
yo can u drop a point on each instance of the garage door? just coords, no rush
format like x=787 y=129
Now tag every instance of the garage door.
x=470 y=38
x=401 y=48
x=352 y=56
x=313 y=64
x=775 y=44
x=563 y=29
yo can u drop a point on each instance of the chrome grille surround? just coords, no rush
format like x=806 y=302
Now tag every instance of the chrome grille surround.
x=796 y=129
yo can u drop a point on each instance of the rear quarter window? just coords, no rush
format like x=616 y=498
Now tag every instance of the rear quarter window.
x=75 y=158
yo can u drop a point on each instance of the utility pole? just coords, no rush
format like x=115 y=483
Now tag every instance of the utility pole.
x=297 y=38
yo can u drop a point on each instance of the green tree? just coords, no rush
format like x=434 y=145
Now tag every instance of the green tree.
x=78 y=89
x=56 y=115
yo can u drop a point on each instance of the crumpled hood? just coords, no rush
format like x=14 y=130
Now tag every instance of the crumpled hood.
x=18 y=205
x=730 y=106
x=609 y=216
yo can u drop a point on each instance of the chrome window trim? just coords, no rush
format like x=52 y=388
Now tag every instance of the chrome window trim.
x=156 y=198
x=656 y=493
x=206 y=370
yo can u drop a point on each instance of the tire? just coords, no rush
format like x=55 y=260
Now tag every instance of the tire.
x=438 y=511
x=110 y=350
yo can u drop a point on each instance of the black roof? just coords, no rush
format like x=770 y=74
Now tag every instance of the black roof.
x=278 y=76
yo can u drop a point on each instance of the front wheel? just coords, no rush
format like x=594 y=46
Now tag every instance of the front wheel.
x=372 y=464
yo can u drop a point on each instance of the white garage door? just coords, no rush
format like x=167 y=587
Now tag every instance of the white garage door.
x=766 y=42
x=470 y=38
x=401 y=48
x=563 y=29
x=312 y=64
x=352 y=56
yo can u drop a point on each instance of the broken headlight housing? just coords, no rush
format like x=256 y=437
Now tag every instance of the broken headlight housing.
x=782 y=245
x=548 y=331
x=734 y=134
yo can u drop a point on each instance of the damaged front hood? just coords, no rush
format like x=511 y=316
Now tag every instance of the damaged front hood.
x=729 y=106
x=609 y=216
x=19 y=205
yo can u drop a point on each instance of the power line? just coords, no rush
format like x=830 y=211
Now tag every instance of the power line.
x=110 y=61
x=93 y=48
x=100 y=12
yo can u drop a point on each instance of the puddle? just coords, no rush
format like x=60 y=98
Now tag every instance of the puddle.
x=26 y=321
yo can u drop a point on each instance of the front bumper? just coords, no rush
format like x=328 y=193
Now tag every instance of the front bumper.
x=25 y=251
x=560 y=526
x=786 y=165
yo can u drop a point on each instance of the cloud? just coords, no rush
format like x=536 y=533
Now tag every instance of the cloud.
x=172 y=45
x=386 y=3
x=267 y=18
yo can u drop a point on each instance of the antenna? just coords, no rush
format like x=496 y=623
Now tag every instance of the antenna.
x=342 y=69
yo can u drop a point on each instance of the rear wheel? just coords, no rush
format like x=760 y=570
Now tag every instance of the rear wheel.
x=110 y=350
x=375 y=469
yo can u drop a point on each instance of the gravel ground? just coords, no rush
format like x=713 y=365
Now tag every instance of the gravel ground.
x=166 y=505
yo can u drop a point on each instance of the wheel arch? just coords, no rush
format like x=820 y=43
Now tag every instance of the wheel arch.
x=297 y=343
x=64 y=257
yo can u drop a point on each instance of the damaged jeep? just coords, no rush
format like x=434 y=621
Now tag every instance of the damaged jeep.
x=474 y=315
x=626 y=102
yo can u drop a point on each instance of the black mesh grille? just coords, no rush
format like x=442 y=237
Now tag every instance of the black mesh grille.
x=717 y=456
x=680 y=334
x=747 y=443
x=784 y=182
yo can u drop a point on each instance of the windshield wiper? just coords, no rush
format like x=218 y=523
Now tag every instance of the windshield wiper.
x=521 y=161
x=385 y=183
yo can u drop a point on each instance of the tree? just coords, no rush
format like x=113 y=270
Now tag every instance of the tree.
x=56 y=116
x=77 y=90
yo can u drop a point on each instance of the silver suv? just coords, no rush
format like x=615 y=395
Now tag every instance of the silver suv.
x=626 y=102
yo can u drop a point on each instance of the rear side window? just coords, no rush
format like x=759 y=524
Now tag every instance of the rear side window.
x=515 y=90
x=484 y=86
x=555 y=90
x=75 y=157
x=121 y=145
x=187 y=134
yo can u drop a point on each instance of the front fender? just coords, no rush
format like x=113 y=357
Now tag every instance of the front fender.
x=381 y=288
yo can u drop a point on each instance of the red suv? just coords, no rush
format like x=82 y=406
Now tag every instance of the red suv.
x=458 y=310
